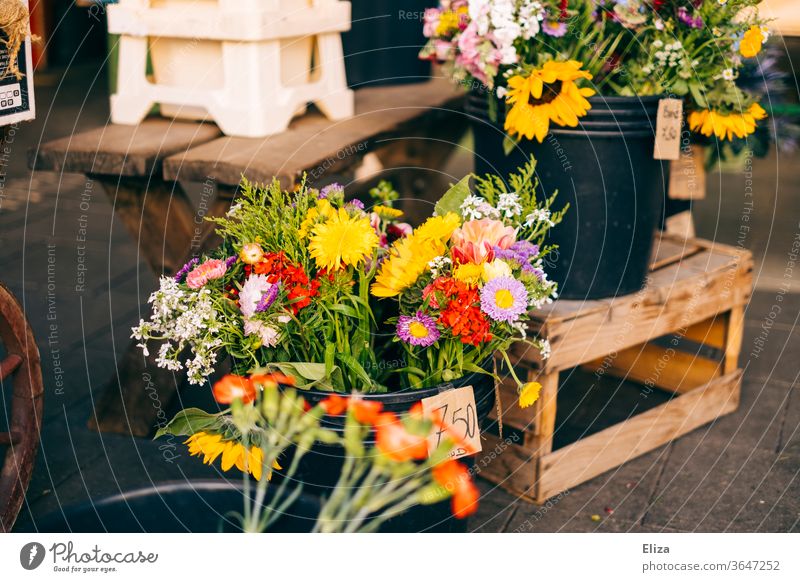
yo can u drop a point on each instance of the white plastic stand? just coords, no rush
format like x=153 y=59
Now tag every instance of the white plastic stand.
x=249 y=65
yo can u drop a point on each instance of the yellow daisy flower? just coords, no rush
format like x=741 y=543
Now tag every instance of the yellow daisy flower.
x=709 y=122
x=547 y=95
x=529 y=394
x=322 y=211
x=387 y=212
x=211 y=446
x=342 y=240
x=409 y=257
x=469 y=273
x=751 y=43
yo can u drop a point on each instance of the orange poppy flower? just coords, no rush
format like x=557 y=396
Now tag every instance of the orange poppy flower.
x=230 y=387
x=394 y=441
x=334 y=405
x=455 y=478
x=365 y=411
x=272 y=378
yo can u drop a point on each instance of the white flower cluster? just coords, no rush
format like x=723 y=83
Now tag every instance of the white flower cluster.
x=507 y=20
x=508 y=204
x=438 y=264
x=671 y=55
x=539 y=215
x=182 y=320
x=476 y=207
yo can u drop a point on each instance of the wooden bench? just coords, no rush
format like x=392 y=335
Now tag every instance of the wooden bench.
x=695 y=299
x=141 y=167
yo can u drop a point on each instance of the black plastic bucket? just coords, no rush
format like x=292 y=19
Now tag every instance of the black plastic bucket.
x=383 y=45
x=320 y=468
x=605 y=170
x=179 y=507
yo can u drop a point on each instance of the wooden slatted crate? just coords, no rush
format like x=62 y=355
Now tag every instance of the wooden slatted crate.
x=695 y=296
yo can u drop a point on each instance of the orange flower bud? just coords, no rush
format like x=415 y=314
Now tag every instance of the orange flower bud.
x=231 y=387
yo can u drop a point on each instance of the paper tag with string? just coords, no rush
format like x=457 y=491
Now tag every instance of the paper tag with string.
x=460 y=418
x=668 y=129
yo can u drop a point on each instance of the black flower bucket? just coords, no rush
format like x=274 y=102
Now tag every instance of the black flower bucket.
x=604 y=169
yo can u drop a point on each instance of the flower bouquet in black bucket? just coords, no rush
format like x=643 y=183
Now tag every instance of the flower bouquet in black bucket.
x=332 y=296
x=579 y=84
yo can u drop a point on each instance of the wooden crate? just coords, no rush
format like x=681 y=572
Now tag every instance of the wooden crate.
x=696 y=294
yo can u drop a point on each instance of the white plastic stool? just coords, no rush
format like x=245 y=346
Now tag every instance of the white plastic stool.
x=250 y=65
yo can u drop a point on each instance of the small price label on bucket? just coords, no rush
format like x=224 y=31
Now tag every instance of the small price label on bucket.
x=668 y=129
x=459 y=418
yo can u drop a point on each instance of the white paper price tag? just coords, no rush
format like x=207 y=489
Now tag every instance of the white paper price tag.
x=668 y=129
x=460 y=417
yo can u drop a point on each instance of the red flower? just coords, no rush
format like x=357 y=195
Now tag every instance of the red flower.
x=455 y=478
x=334 y=405
x=462 y=312
x=272 y=378
x=394 y=441
x=365 y=411
x=293 y=277
x=231 y=387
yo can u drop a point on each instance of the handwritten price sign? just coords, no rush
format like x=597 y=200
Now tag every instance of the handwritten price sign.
x=668 y=129
x=460 y=418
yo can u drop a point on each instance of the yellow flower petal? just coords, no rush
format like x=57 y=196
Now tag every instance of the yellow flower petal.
x=529 y=394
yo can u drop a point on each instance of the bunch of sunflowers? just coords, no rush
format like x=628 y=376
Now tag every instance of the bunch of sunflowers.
x=300 y=284
x=543 y=59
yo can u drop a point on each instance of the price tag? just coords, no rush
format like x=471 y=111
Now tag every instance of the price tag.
x=460 y=418
x=668 y=129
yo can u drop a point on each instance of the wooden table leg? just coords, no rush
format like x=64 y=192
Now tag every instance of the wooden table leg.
x=160 y=217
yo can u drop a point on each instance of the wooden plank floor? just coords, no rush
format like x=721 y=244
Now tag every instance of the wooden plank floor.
x=740 y=474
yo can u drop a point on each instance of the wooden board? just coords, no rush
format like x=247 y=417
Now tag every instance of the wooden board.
x=317 y=145
x=677 y=296
x=609 y=448
x=121 y=150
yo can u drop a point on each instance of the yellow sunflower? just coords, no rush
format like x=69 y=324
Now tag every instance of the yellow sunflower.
x=710 y=122
x=211 y=446
x=342 y=240
x=409 y=257
x=547 y=95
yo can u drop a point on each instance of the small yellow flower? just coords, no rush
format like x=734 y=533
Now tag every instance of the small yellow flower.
x=750 y=45
x=211 y=446
x=342 y=241
x=529 y=393
x=322 y=211
x=387 y=212
x=497 y=268
x=469 y=273
x=449 y=21
x=251 y=253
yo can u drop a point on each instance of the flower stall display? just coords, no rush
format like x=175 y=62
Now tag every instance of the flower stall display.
x=380 y=479
x=577 y=84
x=327 y=291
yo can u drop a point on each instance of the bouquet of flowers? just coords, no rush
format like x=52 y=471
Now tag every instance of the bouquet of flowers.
x=538 y=56
x=377 y=481
x=300 y=282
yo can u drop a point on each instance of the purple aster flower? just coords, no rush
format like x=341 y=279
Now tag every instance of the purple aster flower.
x=331 y=189
x=504 y=299
x=418 y=330
x=554 y=28
x=268 y=298
x=230 y=261
x=185 y=269
x=688 y=19
x=356 y=203
x=521 y=251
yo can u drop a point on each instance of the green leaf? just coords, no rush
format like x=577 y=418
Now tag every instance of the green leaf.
x=509 y=143
x=189 y=421
x=452 y=199
x=352 y=364
x=309 y=375
x=697 y=93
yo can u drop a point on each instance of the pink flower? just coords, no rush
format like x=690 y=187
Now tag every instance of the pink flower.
x=477 y=54
x=208 y=271
x=474 y=242
x=430 y=22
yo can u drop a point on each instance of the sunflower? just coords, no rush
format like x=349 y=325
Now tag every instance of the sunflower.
x=409 y=257
x=726 y=125
x=342 y=240
x=547 y=95
x=212 y=445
